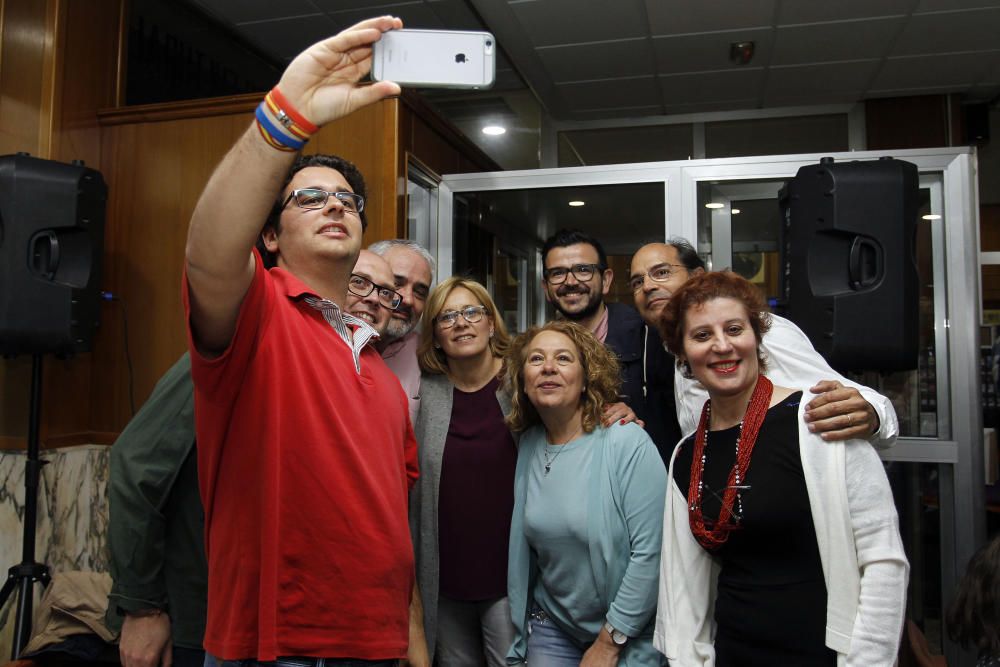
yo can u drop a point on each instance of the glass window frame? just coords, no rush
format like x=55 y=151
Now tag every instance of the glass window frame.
x=958 y=448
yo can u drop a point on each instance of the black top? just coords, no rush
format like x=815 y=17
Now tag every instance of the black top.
x=771 y=603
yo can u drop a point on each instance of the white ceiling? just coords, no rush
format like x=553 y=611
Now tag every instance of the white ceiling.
x=592 y=60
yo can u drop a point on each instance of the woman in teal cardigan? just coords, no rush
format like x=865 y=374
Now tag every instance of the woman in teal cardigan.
x=588 y=509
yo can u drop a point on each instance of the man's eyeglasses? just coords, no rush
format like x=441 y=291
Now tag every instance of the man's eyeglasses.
x=313 y=198
x=658 y=274
x=361 y=286
x=582 y=272
x=472 y=314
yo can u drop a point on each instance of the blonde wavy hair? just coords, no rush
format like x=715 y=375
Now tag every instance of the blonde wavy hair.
x=433 y=360
x=601 y=380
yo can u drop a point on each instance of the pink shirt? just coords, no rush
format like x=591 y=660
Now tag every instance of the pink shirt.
x=401 y=358
x=601 y=330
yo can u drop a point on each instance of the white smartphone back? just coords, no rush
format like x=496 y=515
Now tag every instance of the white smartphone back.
x=435 y=58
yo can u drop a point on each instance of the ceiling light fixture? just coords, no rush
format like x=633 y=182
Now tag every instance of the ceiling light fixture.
x=714 y=204
x=494 y=130
x=577 y=202
x=931 y=216
x=736 y=211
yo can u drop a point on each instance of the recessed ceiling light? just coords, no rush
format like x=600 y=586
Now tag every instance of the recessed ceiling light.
x=494 y=130
x=735 y=211
x=931 y=216
x=577 y=202
x=714 y=204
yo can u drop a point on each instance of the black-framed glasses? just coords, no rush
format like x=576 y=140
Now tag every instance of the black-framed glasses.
x=660 y=273
x=361 y=286
x=472 y=314
x=313 y=198
x=582 y=272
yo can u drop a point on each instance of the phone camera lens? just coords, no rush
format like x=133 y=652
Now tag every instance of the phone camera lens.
x=489 y=42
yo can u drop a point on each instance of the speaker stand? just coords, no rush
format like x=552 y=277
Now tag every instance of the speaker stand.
x=21 y=577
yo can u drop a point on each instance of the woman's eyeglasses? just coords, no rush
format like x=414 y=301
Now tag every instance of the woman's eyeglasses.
x=472 y=314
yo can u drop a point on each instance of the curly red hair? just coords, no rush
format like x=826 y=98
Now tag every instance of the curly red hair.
x=705 y=287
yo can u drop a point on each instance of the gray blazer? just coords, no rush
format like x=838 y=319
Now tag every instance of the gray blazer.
x=436 y=398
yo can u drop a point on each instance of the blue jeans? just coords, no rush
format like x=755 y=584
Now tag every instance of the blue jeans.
x=212 y=661
x=548 y=646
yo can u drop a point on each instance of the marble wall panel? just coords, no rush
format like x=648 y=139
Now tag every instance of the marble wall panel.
x=72 y=526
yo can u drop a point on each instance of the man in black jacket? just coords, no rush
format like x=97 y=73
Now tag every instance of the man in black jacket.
x=576 y=279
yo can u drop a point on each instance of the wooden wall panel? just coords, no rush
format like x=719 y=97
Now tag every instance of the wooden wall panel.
x=155 y=175
x=85 y=67
x=907 y=122
x=88 y=72
x=54 y=75
x=25 y=35
x=22 y=56
x=369 y=139
x=989 y=228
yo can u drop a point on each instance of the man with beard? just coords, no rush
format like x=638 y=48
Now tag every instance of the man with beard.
x=843 y=409
x=412 y=272
x=576 y=279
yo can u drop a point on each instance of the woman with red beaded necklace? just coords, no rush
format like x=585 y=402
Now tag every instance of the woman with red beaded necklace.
x=778 y=547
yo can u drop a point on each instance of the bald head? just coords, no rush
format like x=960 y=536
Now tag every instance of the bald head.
x=656 y=272
x=373 y=268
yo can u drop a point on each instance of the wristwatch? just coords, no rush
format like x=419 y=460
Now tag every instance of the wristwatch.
x=617 y=636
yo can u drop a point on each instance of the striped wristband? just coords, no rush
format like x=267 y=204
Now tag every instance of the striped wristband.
x=280 y=125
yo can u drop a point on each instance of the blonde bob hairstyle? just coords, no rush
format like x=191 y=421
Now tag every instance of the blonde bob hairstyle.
x=432 y=360
x=600 y=375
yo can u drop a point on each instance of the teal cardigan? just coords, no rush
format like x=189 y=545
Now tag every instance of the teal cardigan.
x=625 y=509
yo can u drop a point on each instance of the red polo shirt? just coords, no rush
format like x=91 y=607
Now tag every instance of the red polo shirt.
x=304 y=468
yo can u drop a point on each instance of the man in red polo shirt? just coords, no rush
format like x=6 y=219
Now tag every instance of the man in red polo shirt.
x=305 y=449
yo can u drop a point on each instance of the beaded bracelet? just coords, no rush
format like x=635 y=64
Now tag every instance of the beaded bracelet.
x=280 y=125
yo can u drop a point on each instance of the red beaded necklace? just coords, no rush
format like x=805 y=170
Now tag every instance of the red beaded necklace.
x=714 y=537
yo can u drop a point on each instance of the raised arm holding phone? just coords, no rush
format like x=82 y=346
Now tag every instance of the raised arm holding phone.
x=321 y=83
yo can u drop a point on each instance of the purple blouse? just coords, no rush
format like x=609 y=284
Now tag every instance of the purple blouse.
x=476 y=498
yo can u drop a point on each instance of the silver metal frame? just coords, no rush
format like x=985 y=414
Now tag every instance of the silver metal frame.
x=950 y=172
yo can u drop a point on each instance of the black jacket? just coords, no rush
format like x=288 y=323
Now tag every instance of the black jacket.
x=647 y=371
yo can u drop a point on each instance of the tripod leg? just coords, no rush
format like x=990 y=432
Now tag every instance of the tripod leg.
x=22 y=622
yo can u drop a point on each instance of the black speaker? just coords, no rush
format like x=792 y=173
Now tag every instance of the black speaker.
x=51 y=242
x=850 y=279
x=977 y=123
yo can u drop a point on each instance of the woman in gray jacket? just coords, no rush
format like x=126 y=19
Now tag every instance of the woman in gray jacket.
x=460 y=510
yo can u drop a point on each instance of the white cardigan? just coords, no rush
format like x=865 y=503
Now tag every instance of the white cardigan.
x=864 y=566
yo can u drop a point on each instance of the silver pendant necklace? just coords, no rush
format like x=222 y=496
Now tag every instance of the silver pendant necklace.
x=545 y=450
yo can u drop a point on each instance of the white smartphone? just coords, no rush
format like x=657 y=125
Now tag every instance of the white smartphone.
x=435 y=58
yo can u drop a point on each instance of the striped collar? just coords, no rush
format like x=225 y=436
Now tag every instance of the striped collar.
x=362 y=334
